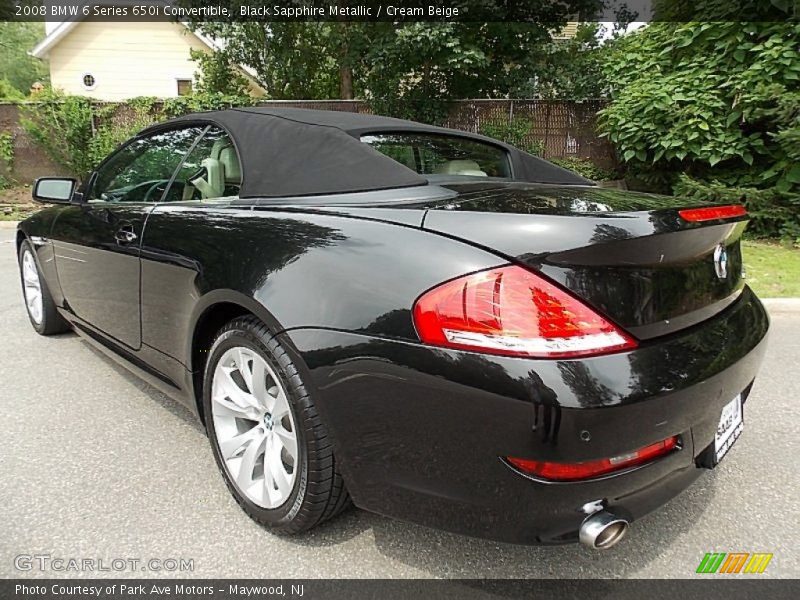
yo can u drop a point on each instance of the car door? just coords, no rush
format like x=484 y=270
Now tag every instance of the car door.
x=193 y=216
x=97 y=241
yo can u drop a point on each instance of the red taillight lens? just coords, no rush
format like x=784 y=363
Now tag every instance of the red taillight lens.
x=511 y=311
x=594 y=468
x=712 y=213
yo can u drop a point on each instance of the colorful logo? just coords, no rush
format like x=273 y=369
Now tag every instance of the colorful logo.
x=734 y=562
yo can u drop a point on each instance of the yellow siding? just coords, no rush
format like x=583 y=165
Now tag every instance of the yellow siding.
x=126 y=59
x=569 y=31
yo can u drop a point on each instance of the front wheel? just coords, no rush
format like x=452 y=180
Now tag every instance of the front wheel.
x=41 y=308
x=269 y=443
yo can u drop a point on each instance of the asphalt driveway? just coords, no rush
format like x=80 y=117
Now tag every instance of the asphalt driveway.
x=94 y=463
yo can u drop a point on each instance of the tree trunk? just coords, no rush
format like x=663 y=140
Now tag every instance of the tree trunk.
x=345 y=82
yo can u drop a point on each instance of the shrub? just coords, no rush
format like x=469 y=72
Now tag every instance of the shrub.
x=77 y=133
x=585 y=168
x=772 y=213
x=8 y=93
x=516 y=131
x=718 y=101
x=200 y=102
x=62 y=125
x=6 y=158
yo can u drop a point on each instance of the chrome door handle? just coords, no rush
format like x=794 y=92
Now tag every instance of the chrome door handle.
x=125 y=235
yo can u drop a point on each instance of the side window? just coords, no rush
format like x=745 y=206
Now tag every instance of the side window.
x=140 y=171
x=211 y=170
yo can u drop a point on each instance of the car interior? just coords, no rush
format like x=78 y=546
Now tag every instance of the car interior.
x=460 y=167
x=219 y=176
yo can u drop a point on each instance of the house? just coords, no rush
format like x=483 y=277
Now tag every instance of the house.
x=120 y=60
x=569 y=31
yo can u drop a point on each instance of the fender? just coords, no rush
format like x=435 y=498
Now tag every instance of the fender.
x=215 y=298
x=36 y=229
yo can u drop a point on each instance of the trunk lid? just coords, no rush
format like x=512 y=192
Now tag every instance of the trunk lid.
x=629 y=255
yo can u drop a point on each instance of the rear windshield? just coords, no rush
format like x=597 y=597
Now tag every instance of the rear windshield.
x=432 y=154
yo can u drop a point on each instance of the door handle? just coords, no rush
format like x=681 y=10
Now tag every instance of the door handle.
x=125 y=235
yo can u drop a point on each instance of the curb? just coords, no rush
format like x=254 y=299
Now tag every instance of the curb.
x=8 y=224
x=781 y=305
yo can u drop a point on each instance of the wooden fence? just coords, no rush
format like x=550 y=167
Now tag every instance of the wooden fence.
x=561 y=128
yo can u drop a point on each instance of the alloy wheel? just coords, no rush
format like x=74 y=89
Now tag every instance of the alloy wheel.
x=32 y=287
x=254 y=427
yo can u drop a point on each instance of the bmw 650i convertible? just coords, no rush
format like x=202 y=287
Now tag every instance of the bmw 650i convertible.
x=434 y=324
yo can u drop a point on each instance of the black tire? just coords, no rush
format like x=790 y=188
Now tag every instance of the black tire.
x=51 y=322
x=319 y=492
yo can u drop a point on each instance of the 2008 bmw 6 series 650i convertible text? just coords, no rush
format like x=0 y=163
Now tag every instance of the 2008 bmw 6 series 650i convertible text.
x=439 y=326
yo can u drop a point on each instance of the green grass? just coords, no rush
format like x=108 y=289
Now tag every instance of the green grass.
x=773 y=270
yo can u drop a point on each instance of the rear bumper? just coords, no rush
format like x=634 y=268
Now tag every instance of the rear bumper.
x=420 y=431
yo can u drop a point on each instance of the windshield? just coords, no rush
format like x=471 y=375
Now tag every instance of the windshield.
x=433 y=154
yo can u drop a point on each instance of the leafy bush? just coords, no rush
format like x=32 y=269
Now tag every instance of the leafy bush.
x=77 y=133
x=8 y=93
x=6 y=158
x=201 y=102
x=718 y=101
x=516 y=131
x=74 y=132
x=772 y=213
x=63 y=127
x=115 y=124
x=585 y=168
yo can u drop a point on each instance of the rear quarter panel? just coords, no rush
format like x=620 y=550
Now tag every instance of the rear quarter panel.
x=294 y=269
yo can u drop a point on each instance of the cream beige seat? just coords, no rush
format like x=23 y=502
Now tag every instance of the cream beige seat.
x=220 y=170
x=460 y=167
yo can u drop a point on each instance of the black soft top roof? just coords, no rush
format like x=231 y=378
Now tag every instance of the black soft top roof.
x=299 y=152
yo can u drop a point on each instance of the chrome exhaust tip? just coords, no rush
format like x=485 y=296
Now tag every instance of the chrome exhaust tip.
x=602 y=530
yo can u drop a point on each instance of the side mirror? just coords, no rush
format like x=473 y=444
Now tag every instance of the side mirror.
x=56 y=190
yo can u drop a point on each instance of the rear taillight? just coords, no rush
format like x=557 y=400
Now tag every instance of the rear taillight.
x=553 y=471
x=712 y=213
x=514 y=312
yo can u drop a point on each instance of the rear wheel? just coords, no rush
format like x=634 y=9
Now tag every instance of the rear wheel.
x=267 y=438
x=42 y=311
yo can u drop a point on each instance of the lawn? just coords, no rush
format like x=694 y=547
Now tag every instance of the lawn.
x=773 y=271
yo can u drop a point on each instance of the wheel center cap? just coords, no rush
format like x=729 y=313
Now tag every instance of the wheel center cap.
x=268 y=422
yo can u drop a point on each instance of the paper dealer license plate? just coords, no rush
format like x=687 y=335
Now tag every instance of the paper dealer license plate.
x=731 y=423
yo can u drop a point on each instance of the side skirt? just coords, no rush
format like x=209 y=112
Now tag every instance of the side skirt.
x=181 y=390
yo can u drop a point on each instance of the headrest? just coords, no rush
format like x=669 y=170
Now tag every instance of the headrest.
x=230 y=165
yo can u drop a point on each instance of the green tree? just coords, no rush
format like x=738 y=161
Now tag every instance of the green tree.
x=718 y=102
x=292 y=59
x=219 y=74
x=403 y=68
x=16 y=66
x=569 y=69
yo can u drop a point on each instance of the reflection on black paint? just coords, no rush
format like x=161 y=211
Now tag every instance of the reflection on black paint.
x=262 y=245
x=546 y=410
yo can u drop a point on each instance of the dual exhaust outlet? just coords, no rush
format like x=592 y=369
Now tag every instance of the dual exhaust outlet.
x=602 y=530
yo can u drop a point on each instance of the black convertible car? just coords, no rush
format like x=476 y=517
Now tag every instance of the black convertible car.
x=439 y=326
